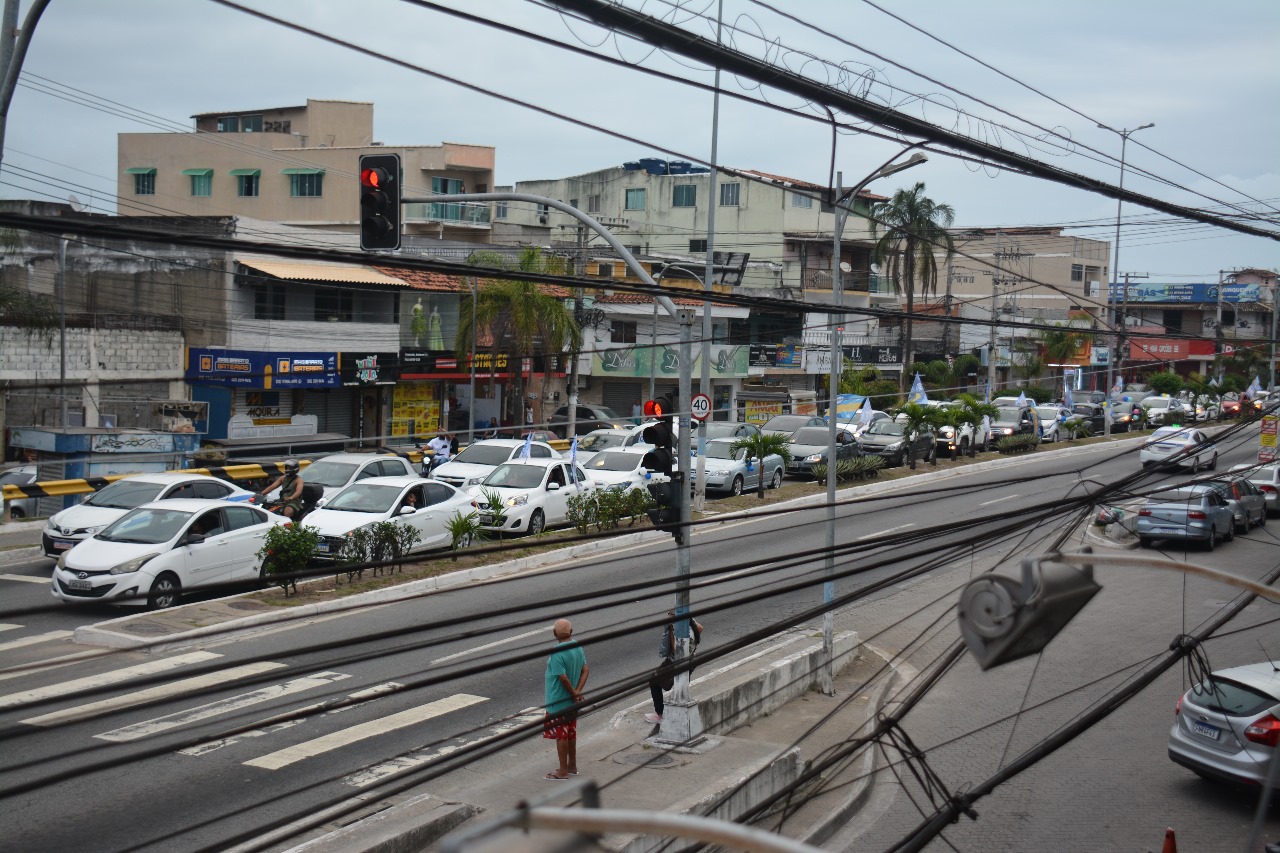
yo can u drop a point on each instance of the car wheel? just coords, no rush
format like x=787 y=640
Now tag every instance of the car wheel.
x=1231 y=531
x=1243 y=526
x=1262 y=517
x=165 y=591
x=900 y=459
x=1213 y=463
x=537 y=522
x=931 y=454
x=735 y=489
x=465 y=541
x=17 y=512
x=963 y=449
x=776 y=482
x=1212 y=541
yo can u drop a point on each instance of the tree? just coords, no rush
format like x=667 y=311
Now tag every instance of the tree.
x=761 y=446
x=1060 y=344
x=972 y=411
x=520 y=317
x=1031 y=367
x=916 y=419
x=1165 y=382
x=914 y=227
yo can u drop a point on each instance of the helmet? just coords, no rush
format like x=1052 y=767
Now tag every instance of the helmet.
x=291 y=466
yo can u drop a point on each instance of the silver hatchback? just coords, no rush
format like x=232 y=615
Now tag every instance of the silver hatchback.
x=1194 y=512
x=1228 y=726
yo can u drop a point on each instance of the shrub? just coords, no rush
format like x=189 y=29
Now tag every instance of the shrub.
x=859 y=468
x=1040 y=394
x=286 y=551
x=607 y=508
x=381 y=542
x=1017 y=443
x=463 y=530
x=495 y=507
x=1077 y=429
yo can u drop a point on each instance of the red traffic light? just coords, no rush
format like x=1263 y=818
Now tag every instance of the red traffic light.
x=653 y=409
x=376 y=178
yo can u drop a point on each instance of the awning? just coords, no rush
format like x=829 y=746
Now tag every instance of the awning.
x=199 y=173
x=236 y=173
x=141 y=170
x=320 y=271
x=301 y=171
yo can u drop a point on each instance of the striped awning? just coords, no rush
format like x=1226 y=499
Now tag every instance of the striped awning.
x=320 y=271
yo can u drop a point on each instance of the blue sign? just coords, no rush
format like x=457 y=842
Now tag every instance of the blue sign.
x=253 y=369
x=1200 y=293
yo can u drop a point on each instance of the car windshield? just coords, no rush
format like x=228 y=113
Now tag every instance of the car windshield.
x=1155 y=403
x=885 y=428
x=789 y=423
x=514 y=475
x=1047 y=412
x=485 y=454
x=1176 y=496
x=125 y=494
x=607 y=413
x=728 y=430
x=365 y=497
x=600 y=441
x=721 y=450
x=329 y=474
x=15 y=478
x=1008 y=413
x=614 y=461
x=1231 y=698
x=146 y=526
x=1081 y=409
x=810 y=435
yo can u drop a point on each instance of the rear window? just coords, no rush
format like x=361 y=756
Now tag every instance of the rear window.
x=1179 y=496
x=1230 y=697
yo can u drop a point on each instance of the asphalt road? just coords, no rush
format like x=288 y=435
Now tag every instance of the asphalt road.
x=120 y=763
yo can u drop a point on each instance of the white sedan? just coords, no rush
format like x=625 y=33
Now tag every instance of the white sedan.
x=1180 y=446
x=619 y=469
x=477 y=461
x=422 y=504
x=533 y=494
x=155 y=551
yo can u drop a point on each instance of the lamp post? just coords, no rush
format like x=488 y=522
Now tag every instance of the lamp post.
x=1115 y=269
x=838 y=199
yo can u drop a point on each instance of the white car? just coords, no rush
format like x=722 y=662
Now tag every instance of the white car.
x=534 y=494
x=1185 y=447
x=477 y=461
x=619 y=469
x=339 y=470
x=1051 y=422
x=73 y=525
x=410 y=500
x=856 y=426
x=611 y=439
x=155 y=551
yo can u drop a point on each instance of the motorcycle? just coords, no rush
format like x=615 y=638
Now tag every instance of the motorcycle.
x=311 y=495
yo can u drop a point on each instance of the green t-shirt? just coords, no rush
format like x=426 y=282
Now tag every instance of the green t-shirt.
x=568 y=659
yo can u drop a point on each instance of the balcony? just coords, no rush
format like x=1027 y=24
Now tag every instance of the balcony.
x=307 y=336
x=467 y=214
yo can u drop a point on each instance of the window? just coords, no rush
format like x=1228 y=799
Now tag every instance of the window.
x=684 y=195
x=622 y=332
x=500 y=210
x=1077 y=272
x=537 y=451
x=246 y=182
x=305 y=183
x=543 y=209
x=697 y=245
x=201 y=181
x=144 y=181
x=251 y=124
x=334 y=304
x=801 y=200
x=605 y=270
x=573 y=202
x=211 y=491
x=447 y=186
x=240 y=517
x=593 y=204
x=268 y=302
x=229 y=124
x=635 y=199
x=729 y=194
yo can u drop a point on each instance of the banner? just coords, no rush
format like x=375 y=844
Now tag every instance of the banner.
x=726 y=361
x=266 y=370
x=1192 y=293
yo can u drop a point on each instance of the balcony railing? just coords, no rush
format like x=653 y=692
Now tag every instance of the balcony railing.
x=462 y=213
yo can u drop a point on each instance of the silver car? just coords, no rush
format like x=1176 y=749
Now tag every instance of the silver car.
x=1228 y=726
x=23 y=476
x=729 y=470
x=1248 y=507
x=1194 y=512
x=1266 y=477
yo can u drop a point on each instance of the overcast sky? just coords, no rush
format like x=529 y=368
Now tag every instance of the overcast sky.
x=1205 y=73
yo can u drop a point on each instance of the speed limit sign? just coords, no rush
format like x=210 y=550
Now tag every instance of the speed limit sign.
x=700 y=407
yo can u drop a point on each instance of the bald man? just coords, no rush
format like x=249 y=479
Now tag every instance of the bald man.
x=565 y=678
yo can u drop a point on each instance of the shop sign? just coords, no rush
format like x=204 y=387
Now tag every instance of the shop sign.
x=1157 y=349
x=265 y=370
x=778 y=356
x=423 y=364
x=759 y=411
x=818 y=359
x=1187 y=293
x=375 y=368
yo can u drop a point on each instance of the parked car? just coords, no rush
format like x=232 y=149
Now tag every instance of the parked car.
x=787 y=424
x=536 y=434
x=619 y=468
x=809 y=445
x=477 y=461
x=1091 y=414
x=1166 y=411
x=1014 y=420
x=729 y=429
x=534 y=493
x=73 y=525
x=24 y=475
x=1266 y=477
x=1227 y=727
x=590 y=418
x=610 y=439
x=957 y=440
x=153 y=552
x=1051 y=419
x=1229 y=406
x=1180 y=446
x=338 y=470
x=729 y=470
x=1248 y=506
x=890 y=441
x=1194 y=512
x=389 y=499
x=856 y=426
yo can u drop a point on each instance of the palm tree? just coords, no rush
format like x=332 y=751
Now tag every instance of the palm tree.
x=914 y=228
x=762 y=446
x=971 y=411
x=1060 y=344
x=916 y=419
x=521 y=318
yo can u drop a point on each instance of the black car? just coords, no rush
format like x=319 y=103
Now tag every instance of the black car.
x=1091 y=414
x=890 y=441
x=808 y=446
x=590 y=419
x=1014 y=420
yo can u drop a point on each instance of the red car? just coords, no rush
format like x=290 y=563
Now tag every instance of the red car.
x=1230 y=408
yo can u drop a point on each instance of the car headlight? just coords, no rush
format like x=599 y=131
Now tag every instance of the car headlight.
x=475 y=481
x=518 y=500
x=130 y=566
x=619 y=487
x=89 y=531
x=948 y=431
x=895 y=445
x=816 y=457
x=62 y=560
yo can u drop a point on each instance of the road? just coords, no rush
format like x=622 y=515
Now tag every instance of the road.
x=101 y=757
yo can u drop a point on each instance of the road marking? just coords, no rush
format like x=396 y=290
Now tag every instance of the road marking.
x=9 y=627
x=883 y=532
x=495 y=643
x=336 y=740
x=998 y=500
x=33 y=639
x=52 y=663
x=26 y=697
x=148 y=728
x=160 y=691
x=401 y=763
x=25 y=579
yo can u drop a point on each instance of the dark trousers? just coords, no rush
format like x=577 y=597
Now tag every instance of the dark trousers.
x=655 y=690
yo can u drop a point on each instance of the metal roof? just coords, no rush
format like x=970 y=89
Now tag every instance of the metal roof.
x=320 y=271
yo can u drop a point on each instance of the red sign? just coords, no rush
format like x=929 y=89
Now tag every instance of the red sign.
x=1157 y=349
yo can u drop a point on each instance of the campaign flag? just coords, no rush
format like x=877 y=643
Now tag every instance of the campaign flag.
x=864 y=414
x=1022 y=398
x=1214 y=383
x=1255 y=387
x=573 y=463
x=528 y=445
x=917 y=394
x=1067 y=399
x=1118 y=388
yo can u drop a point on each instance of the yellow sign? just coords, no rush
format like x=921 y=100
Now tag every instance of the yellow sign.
x=759 y=411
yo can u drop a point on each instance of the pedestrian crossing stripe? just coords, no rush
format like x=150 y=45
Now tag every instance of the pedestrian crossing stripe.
x=5 y=627
x=160 y=691
x=327 y=743
x=79 y=685
x=33 y=639
x=25 y=579
x=148 y=728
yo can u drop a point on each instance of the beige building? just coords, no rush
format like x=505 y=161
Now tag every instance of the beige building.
x=296 y=165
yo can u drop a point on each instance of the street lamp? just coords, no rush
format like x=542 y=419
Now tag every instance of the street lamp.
x=1115 y=268
x=836 y=322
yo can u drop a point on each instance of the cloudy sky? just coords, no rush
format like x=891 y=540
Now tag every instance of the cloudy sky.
x=1205 y=73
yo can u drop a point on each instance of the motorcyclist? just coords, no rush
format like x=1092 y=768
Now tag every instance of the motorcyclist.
x=290 y=483
x=441 y=448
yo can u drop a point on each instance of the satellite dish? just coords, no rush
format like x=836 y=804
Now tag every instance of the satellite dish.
x=845 y=266
x=76 y=204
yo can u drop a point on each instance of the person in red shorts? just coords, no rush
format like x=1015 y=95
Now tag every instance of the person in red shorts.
x=566 y=676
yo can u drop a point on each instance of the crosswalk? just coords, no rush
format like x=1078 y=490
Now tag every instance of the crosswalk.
x=264 y=741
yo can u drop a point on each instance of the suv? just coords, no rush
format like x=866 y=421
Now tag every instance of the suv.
x=590 y=418
x=1015 y=420
x=888 y=440
x=956 y=441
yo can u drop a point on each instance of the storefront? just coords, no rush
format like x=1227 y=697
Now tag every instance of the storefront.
x=370 y=378
x=268 y=387
x=435 y=390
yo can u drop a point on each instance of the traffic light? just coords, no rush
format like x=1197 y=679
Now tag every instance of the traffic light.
x=379 y=201
x=669 y=496
x=662 y=458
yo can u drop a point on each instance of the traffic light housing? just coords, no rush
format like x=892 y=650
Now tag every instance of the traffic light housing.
x=379 y=201
x=670 y=497
x=661 y=459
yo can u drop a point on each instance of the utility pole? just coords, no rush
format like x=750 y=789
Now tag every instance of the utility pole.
x=1005 y=275
x=1122 y=321
x=1217 y=322
x=579 y=269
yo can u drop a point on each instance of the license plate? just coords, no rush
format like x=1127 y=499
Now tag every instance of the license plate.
x=1164 y=531
x=486 y=519
x=323 y=547
x=61 y=546
x=1206 y=730
x=79 y=584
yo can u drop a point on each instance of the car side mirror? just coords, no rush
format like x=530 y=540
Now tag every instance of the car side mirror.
x=193 y=538
x=553 y=487
x=407 y=510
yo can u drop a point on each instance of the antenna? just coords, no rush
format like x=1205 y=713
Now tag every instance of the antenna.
x=1274 y=668
x=76 y=204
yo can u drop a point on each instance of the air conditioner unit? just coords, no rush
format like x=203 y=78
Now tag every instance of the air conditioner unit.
x=542 y=219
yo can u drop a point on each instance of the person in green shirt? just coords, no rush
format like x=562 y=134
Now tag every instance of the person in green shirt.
x=565 y=677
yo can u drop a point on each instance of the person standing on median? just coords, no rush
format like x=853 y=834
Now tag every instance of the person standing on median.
x=565 y=677
x=667 y=649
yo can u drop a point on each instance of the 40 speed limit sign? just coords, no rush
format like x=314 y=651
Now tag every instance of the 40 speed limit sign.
x=700 y=406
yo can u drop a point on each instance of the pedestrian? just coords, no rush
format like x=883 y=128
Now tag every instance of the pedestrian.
x=667 y=649
x=528 y=414
x=565 y=677
x=637 y=413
